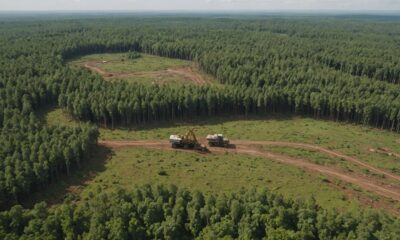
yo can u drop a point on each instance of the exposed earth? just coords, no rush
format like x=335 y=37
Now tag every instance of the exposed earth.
x=186 y=73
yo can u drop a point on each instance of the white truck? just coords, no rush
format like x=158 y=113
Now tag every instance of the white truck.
x=217 y=140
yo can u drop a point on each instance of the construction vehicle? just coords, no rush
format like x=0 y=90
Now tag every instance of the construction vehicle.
x=217 y=140
x=187 y=141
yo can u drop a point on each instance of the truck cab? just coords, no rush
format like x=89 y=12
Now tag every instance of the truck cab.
x=217 y=140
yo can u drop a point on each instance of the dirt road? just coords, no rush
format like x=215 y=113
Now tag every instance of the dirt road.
x=325 y=151
x=188 y=73
x=184 y=72
x=248 y=148
x=94 y=67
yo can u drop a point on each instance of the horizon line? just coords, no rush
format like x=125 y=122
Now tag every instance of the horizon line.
x=235 y=11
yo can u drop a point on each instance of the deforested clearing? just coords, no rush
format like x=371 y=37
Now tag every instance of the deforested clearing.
x=170 y=126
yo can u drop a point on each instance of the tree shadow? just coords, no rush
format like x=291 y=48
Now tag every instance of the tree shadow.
x=75 y=182
x=43 y=111
x=203 y=121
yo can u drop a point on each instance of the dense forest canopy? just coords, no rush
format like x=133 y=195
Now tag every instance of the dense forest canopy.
x=160 y=212
x=345 y=69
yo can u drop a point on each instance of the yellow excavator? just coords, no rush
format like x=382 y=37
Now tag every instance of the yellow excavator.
x=187 y=141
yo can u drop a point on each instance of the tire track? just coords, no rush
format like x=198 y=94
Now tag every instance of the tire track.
x=93 y=66
x=326 y=151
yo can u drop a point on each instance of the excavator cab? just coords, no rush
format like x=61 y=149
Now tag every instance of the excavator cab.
x=187 y=141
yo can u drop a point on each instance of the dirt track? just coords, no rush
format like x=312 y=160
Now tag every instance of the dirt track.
x=188 y=73
x=248 y=148
x=326 y=151
x=93 y=66
x=184 y=72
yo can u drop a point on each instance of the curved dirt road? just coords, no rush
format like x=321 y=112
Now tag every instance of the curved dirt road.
x=184 y=72
x=93 y=66
x=188 y=73
x=247 y=148
x=323 y=150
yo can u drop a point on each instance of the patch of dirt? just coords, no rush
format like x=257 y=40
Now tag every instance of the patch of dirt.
x=186 y=73
x=363 y=199
x=94 y=67
x=247 y=148
x=387 y=151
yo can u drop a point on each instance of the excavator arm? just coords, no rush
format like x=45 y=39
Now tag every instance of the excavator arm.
x=191 y=136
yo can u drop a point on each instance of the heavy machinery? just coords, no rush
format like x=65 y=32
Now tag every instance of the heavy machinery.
x=217 y=140
x=187 y=141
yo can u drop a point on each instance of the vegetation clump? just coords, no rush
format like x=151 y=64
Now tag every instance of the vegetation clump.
x=162 y=172
x=134 y=55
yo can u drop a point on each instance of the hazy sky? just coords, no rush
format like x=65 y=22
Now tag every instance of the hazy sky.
x=199 y=5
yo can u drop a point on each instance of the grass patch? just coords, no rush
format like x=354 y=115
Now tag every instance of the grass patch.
x=120 y=63
x=213 y=173
x=148 y=69
x=352 y=140
x=315 y=157
x=51 y=115
x=227 y=172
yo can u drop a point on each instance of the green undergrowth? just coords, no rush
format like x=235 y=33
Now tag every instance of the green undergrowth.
x=214 y=173
x=119 y=62
x=313 y=156
x=132 y=166
x=147 y=69
x=352 y=140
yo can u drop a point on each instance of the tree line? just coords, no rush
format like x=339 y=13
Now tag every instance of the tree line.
x=167 y=212
x=264 y=70
x=90 y=98
x=33 y=156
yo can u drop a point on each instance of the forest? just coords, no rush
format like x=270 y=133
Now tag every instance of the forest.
x=167 y=212
x=340 y=69
x=261 y=74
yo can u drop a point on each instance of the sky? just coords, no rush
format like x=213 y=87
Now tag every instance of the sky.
x=198 y=5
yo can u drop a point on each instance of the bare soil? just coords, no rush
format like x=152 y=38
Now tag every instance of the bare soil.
x=388 y=151
x=186 y=73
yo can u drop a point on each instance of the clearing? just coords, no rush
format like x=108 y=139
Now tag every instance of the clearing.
x=298 y=157
x=248 y=148
x=147 y=69
x=225 y=173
